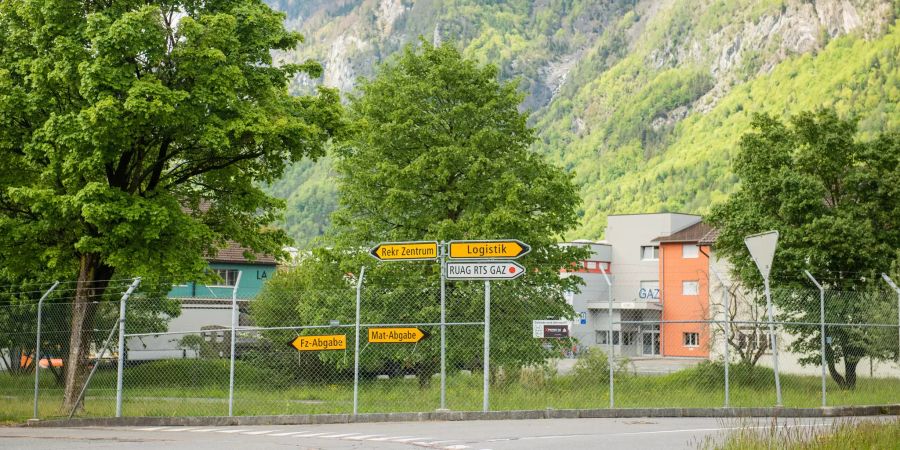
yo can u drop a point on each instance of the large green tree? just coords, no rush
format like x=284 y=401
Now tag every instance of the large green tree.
x=438 y=150
x=836 y=202
x=133 y=134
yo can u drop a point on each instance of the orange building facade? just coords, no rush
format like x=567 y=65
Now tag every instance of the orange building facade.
x=684 y=285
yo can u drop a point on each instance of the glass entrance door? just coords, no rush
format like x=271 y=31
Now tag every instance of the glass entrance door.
x=651 y=342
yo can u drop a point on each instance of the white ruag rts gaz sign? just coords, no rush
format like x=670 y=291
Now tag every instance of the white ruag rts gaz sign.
x=484 y=270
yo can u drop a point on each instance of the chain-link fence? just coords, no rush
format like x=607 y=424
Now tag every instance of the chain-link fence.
x=295 y=352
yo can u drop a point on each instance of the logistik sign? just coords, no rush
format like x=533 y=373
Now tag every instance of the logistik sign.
x=318 y=343
x=501 y=249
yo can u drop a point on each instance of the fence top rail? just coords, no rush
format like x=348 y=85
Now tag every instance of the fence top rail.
x=756 y=322
x=308 y=327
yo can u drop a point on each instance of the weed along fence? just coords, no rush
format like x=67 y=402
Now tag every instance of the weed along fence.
x=481 y=338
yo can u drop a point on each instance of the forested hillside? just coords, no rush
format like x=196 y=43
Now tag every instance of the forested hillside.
x=643 y=101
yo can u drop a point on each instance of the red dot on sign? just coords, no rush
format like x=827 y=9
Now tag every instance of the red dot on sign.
x=512 y=270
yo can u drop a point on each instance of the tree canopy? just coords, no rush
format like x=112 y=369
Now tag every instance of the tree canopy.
x=134 y=135
x=835 y=201
x=437 y=149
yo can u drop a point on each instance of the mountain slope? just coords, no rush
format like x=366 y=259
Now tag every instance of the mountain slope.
x=644 y=101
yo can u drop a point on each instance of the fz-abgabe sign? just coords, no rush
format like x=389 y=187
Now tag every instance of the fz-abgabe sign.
x=318 y=343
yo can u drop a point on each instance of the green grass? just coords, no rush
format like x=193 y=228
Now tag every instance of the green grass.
x=840 y=436
x=200 y=388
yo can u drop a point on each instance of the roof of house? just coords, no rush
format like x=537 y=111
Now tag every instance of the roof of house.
x=710 y=237
x=235 y=254
x=691 y=233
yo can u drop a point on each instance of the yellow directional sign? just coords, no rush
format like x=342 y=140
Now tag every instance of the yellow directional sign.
x=500 y=249
x=316 y=343
x=395 y=335
x=405 y=251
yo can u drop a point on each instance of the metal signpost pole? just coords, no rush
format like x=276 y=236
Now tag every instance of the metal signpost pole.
x=821 y=330
x=762 y=250
x=890 y=282
x=362 y=273
x=725 y=297
x=487 y=343
x=609 y=339
x=120 y=369
x=37 y=348
x=443 y=255
x=234 y=323
x=774 y=344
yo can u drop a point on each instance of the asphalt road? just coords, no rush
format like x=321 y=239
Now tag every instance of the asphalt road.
x=571 y=434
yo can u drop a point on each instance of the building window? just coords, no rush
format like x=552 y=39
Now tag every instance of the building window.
x=650 y=252
x=690 y=288
x=591 y=265
x=228 y=276
x=690 y=251
x=691 y=339
x=602 y=335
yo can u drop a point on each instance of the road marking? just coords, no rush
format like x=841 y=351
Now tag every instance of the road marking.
x=338 y=436
x=638 y=433
x=254 y=433
x=409 y=439
x=152 y=429
x=456 y=447
x=387 y=438
x=231 y=431
x=203 y=430
x=438 y=442
x=183 y=429
x=363 y=437
x=289 y=433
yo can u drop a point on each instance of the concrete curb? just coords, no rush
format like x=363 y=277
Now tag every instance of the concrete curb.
x=317 y=419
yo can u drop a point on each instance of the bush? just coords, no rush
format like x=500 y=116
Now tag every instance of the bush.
x=592 y=367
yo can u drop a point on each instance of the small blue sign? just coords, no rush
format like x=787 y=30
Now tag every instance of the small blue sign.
x=583 y=318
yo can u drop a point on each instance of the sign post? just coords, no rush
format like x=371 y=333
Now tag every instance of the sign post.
x=762 y=250
x=487 y=343
x=470 y=261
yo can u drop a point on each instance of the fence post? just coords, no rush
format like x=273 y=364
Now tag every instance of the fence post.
x=234 y=323
x=893 y=286
x=821 y=331
x=727 y=312
x=443 y=253
x=609 y=341
x=120 y=368
x=487 y=344
x=362 y=273
x=37 y=348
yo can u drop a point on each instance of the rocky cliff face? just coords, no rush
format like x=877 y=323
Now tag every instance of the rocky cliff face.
x=612 y=86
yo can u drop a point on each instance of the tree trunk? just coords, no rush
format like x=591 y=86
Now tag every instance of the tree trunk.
x=92 y=282
x=850 y=372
